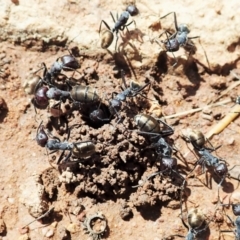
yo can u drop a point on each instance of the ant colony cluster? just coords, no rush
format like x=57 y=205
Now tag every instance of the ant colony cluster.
x=148 y=137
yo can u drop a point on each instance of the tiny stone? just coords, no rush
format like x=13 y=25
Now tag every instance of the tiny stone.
x=231 y=141
x=11 y=200
x=72 y=228
x=24 y=237
x=49 y=233
x=23 y=230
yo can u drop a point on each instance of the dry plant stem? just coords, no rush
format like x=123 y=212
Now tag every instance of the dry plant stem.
x=198 y=109
x=42 y=216
x=235 y=111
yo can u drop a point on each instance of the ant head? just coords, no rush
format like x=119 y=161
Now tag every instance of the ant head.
x=133 y=11
x=221 y=169
x=69 y=63
x=134 y=86
x=183 y=28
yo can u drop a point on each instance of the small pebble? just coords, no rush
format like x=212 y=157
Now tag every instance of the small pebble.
x=24 y=237
x=49 y=233
x=72 y=228
x=23 y=230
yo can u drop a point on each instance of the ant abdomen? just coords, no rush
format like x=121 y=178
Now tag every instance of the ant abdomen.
x=106 y=38
x=195 y=218
x=83 y=149
x=147 y=123
x=84 y=94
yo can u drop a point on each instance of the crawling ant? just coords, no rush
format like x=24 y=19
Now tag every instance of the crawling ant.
x=178 y=39
x=216 y=164
x=65 y=63
x=148 y=125
x=133 y=90
x=79 y=93
x=83 y=97
x=195 y=226
x=82 y=149
x=236 y=223
x=119 y=25
x=196 y=220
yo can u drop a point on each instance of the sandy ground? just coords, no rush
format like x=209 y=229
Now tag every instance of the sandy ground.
x=31 y=180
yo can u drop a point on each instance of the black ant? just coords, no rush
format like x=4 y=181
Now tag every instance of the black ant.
x=119 y=25
x=178 y=39
x=79 y=149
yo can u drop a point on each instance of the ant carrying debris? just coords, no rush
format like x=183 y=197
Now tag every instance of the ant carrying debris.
x=82 y=149
x=178 y=39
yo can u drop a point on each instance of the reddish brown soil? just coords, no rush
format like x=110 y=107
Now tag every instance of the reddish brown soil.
x=103 y=182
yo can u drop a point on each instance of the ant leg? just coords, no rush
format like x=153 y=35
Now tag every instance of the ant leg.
x=175 y=21
x=117 y=37
x=149 y=177
x=126 y=26
x=113 y=17
x=66 y=158
x=178 y=174
x=181 y=203
x=100 y=27
x=70 y=129
x=123 y=78
x=168 y=40
x=166 y=15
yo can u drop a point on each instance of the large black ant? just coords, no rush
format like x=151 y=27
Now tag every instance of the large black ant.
x=65 y=63
x=178 y=39
x=208 y=160
x=79 y=149
x=148 y=125
x=135 y=89
x=119 y=25
x=79 y=93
